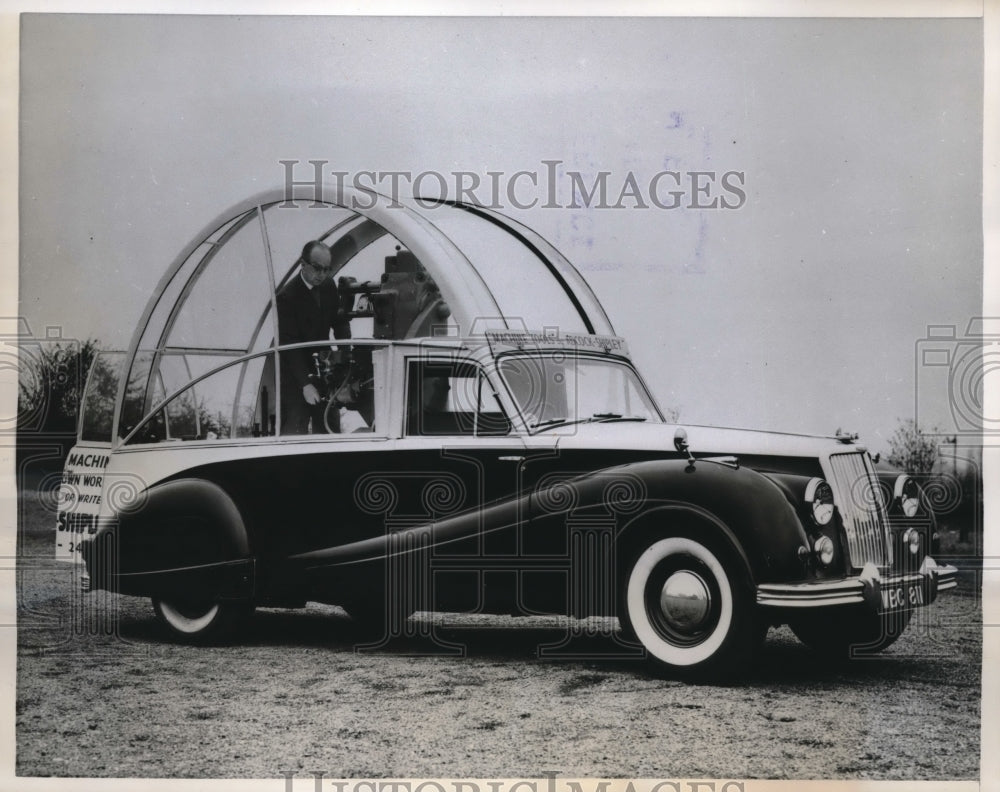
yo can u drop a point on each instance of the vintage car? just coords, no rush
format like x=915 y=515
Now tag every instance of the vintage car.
x=476 y=450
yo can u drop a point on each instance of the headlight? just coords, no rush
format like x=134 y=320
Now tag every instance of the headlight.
x=912 y=540
x=819 y=496
x=907 y=493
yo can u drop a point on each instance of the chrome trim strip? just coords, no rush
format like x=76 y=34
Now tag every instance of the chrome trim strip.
x=811 y=487
x=840 y=592
x=947 y=577
x=853 y=599
x=811 y=595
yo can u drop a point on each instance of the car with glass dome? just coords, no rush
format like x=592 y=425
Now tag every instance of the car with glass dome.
x=480 y=449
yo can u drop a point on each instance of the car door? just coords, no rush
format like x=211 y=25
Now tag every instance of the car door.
x=457 y=468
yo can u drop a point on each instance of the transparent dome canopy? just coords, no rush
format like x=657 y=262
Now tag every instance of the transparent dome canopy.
x=405 y=269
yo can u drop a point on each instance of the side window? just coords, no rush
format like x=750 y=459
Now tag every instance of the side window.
x=240 y=400
x=235 y=401
x=451 y=398
x=97 y=409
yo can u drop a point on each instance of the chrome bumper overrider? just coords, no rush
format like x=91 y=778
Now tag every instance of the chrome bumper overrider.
x=863 y=589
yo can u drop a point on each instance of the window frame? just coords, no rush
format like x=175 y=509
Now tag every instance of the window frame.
x=420 y=363
x=519 y=411
x=129 y=441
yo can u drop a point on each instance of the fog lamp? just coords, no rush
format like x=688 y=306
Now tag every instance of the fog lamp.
x=912 y=539
x=823 y=548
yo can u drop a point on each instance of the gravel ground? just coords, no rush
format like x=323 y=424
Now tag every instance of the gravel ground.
x=478 y=701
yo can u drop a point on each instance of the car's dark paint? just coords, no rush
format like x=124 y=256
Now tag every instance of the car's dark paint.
x=181 y=536
x=612 y=484
x=794 y=487
x=504 y=524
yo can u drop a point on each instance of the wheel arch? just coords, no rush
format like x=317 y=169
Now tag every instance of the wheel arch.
x=750 y=509
x=183 y=534
x=678 y=519
x=192 y=496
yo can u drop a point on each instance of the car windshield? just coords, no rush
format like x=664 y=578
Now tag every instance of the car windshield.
x=558 y=388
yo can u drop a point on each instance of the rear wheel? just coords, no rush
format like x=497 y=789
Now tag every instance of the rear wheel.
x=851 y=634
x=688 y=602
x=201 y=621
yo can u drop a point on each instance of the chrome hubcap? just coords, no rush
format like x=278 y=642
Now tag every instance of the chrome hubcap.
x=685 y=601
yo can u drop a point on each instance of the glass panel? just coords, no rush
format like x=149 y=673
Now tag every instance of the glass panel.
x=339 y=395
x=174 y=371
x=558 y=388
x=135 y=404
x=98 y=407
x=312 y=378
x=366 y=259
x=203 y=411
x=136 y=401
x=153 y=331
x=195 y=364
x=451 y=399
x=139 y=396
x=511 y=271
x=364 y=273
x=255 y=401
x=264 y=333
x=226 y=298
x=394 y=295
x=291 y=224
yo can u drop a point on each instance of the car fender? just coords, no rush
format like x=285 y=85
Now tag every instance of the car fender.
x=185 y=533
x=745 y=507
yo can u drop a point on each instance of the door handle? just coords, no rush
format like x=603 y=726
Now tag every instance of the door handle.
x=511 y=458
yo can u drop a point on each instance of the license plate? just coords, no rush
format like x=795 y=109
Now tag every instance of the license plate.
x=902 y=597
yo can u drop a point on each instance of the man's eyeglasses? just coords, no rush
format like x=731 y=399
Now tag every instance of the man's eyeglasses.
x=327 y=268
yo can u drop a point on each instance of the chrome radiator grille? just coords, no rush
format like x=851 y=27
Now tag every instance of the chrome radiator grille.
x=857 y=495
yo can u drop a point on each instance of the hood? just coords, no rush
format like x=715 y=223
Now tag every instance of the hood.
x=703 y=440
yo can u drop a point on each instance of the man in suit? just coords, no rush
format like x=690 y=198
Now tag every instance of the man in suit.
x=308 y=309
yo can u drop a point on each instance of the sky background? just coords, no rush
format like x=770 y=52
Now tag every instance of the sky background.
x=860 y=141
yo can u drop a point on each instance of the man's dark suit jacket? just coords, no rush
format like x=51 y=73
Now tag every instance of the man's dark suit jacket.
x=300 y=320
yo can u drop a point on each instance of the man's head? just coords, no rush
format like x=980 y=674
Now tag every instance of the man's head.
x=317 y=263
x=435 y=390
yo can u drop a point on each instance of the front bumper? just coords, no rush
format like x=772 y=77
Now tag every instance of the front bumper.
x=865 y=589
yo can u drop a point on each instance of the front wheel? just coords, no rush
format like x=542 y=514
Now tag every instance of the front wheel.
x=201 y=621
x=689 y=604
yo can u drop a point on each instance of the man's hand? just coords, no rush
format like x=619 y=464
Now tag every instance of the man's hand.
x=310 y=394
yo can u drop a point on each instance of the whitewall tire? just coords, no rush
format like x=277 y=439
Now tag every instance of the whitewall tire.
x=687 y=604
x=200 y=622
